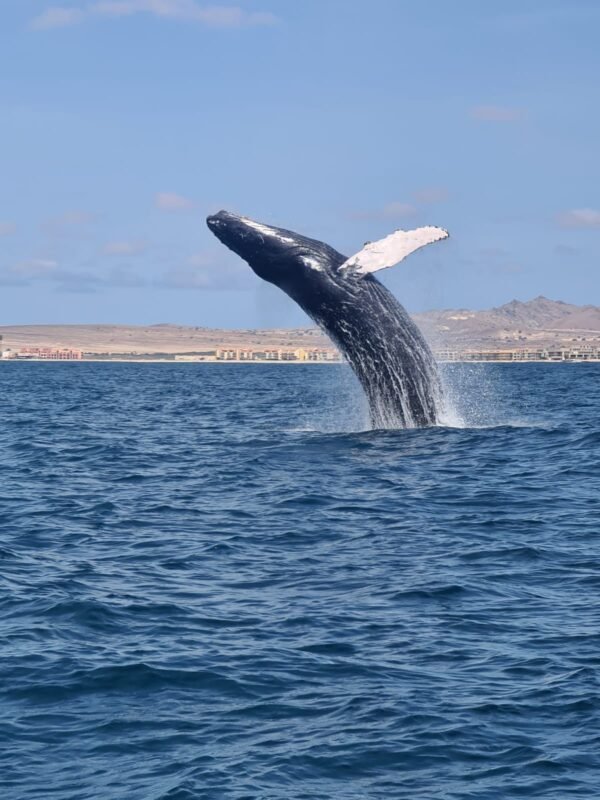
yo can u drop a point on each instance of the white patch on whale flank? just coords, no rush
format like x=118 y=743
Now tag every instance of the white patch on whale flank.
x=313 y=263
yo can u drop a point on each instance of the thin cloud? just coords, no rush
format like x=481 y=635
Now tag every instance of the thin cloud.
x=57 y=17
x=397 y=209
x=7 y=228
x=69 y=223
x=87 y=282
x=123 y=279
x=9 y=278
x=393 y=210
x=566 y=250
x=431 y=195
x=494 y=253
x=75 y=218
x=498 y=261
x=29 y=271
x=186 y=278
x=169 y=201
x=34 y=268
x=185 y=10
x=496 y=113
x=205 y=271
x=200 y=260
x=511 y=269
x=123 y=248
x=567 y=14
x=49 y=272
x=580 y=218
x=46 y=270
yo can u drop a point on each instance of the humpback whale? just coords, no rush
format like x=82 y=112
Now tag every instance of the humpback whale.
x=379 y=340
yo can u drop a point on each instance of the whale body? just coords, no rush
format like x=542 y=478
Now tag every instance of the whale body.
x=373 y=331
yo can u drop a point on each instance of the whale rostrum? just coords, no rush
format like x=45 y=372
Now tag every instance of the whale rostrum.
x=373 y=331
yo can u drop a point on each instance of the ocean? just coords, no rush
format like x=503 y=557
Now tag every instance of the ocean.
x=217 y=582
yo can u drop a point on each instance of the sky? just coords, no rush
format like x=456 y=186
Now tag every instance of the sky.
x=123 y=123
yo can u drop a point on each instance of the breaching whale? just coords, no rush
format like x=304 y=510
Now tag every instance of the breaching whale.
x=382 y=344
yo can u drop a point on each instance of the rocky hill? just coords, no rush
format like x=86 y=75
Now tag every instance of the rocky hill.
x=540 y=322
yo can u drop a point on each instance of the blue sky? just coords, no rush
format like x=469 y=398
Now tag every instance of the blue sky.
x=124 y=122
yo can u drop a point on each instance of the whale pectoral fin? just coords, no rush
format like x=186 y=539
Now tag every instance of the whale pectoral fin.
x=392 y=249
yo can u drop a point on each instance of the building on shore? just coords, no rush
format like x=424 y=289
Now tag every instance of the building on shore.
x=45 y=354
x=544 y=354
x=584 y=353
x=330 y=355
x=316 y=354
x=276 y=354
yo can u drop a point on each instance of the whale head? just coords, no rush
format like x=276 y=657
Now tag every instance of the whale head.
x=276 y=255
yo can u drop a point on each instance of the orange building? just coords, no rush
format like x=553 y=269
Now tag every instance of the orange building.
x=51 y=353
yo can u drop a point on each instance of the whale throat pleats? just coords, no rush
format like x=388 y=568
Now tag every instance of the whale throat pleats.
x=392 y=249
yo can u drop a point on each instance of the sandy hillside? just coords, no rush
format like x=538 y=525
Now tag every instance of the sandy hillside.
x=536 y=323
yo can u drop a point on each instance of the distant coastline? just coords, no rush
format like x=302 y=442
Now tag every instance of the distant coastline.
x=489 y=358
x=539 y=330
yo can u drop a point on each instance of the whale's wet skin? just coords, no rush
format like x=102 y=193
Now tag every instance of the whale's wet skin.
x=383 y=345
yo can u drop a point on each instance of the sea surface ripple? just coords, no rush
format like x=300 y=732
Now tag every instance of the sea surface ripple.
x=218 y=583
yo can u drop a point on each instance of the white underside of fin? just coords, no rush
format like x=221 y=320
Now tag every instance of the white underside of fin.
x=392 y=249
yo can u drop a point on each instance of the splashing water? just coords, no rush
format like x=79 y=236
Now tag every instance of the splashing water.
x=466 y=396
x=470 y=397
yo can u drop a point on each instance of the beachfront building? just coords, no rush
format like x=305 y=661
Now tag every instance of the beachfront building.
x=318 y=354
x=508 y=356
x=50 y=353
x=276 y=354
x=225 y=354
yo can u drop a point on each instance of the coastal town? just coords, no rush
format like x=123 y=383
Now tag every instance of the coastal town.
x=300 y=356
x=539 y=330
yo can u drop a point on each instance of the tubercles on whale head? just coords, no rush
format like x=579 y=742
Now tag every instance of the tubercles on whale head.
x=275 y=254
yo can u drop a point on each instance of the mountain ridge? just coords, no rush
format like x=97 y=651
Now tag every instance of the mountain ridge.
x=536 y=322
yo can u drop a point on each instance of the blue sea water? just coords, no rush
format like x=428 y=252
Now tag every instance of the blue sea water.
x=218 y=583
